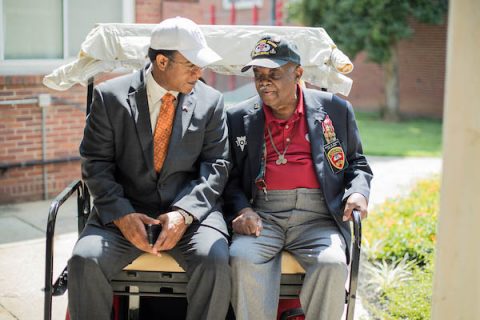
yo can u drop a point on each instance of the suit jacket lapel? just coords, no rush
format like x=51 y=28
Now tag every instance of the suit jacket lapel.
x=254 y=122
x=138 y=102
x=186 y=106
x=315 y=116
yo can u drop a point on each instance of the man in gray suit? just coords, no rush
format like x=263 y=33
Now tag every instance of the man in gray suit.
x=298 y=173
x=131 y=188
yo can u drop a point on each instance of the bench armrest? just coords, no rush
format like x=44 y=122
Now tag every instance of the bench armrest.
x=83 y=210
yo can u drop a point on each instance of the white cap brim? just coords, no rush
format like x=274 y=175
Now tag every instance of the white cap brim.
x=201 y=57
x=264 y=62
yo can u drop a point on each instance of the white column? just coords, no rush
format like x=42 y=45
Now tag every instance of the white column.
x=457 y=274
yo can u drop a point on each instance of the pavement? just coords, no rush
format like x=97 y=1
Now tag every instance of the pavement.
x=22 y=238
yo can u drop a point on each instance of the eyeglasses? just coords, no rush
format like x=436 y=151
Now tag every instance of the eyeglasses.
x=190 y=66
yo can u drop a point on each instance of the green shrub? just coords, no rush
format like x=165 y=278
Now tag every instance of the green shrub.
x=411 y=299
x=406 y=225
x=399 y=250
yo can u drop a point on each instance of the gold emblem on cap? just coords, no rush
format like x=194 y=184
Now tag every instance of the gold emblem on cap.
x=264 y=47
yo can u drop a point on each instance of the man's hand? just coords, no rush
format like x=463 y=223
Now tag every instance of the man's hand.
x=355 y=201
x=247 y=222
x=173 y=228
x=132 y=227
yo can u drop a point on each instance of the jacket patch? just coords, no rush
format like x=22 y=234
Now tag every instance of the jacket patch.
x=241 y=142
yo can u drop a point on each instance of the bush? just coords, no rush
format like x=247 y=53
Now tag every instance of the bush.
x=406 y=226
x=411 y=299
x=399 y=248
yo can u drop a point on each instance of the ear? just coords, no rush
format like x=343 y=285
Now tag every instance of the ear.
x=161 y=61
x=298 y=73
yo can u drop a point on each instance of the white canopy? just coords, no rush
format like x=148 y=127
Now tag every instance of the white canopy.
x=115 y=45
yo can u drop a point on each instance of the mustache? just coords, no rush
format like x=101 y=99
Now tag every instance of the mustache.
x=263 y=88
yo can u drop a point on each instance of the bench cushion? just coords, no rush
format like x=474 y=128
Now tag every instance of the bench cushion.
x=165 y=263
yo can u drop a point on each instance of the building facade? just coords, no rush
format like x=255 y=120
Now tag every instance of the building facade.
x=41 y=129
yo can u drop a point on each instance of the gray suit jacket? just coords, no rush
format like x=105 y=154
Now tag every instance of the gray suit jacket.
x=117 y=153
x=247 y=120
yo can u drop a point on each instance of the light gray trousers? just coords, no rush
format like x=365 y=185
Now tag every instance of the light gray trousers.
x=101 y=252
x=297 y=221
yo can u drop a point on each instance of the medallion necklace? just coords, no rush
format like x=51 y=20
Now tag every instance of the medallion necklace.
x=281 y=156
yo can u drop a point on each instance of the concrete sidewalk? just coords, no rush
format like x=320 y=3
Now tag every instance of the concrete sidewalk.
x=22 y=238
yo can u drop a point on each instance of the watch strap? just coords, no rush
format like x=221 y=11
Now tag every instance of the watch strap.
x=187 y=216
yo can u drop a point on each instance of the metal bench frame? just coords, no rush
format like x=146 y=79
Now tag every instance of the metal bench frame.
x=133 y=283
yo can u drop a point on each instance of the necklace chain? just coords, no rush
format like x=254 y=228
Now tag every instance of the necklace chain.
x=281 y=156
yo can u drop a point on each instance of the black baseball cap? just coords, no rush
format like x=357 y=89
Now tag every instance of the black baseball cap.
x=273 y=52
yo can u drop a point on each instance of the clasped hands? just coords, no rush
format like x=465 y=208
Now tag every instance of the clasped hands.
x=248 y=222
x=133 y=224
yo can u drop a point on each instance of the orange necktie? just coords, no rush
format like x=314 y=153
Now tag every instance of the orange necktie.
x=163 y=130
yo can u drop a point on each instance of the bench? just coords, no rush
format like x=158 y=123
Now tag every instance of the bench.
x=154 y=276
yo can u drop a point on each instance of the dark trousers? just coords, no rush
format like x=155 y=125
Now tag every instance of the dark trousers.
x=101 y=252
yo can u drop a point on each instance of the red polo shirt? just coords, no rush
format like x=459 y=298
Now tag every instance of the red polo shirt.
x=299 y=171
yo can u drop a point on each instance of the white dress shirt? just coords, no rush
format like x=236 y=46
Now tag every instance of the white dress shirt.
x=154 y=94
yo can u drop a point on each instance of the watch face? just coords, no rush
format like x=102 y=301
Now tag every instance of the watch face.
x=188 y=218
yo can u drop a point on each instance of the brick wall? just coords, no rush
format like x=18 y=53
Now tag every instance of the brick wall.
x=421 y=70
x=150 y=11
x=21 y=138
x=367 y=90
x=422 y=61
x=200 y=12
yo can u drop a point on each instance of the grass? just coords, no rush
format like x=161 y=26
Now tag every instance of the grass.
x=414 y=138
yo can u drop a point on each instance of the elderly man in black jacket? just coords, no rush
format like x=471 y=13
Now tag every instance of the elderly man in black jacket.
x=298 y=173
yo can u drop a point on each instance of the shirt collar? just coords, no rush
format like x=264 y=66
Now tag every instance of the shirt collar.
x=299 y=110
x=155 y=92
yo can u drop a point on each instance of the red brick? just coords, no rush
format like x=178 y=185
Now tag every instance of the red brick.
x=421 y=75
x=14 y=138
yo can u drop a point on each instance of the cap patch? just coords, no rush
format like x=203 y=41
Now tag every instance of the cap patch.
x=264 y=47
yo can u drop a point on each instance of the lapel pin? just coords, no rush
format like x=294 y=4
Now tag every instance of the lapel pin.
x=186 y=105
x=241 y=142
x=256 y=106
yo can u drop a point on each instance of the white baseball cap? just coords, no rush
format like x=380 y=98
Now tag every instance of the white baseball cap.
x=183 y=35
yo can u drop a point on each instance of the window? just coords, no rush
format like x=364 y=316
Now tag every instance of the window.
x=49 y=30
x=32 y=29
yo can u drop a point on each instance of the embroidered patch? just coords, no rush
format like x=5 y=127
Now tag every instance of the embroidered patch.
x=241 y=142
x=328 y=130
x=264 y=47
x=335 y=156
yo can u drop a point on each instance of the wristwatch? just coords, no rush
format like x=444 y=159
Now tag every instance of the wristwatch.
x=187 y=216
